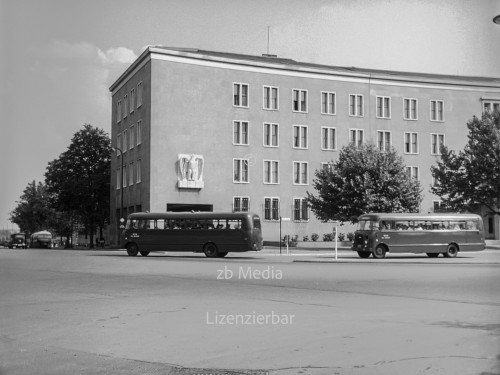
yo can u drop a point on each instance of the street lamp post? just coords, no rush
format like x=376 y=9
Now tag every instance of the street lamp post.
x=121 y=188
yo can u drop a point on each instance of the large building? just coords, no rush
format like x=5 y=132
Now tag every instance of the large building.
x=210 y=131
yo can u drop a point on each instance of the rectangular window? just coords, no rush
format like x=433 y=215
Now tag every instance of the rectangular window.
x=241 y=204
x=131 y=137
x=356 y=137
x=131 y=174
x=270 y=98
x=240 y=170
x=437 y=110
x=139 y=94
x=125 y=141
x=412 y=172
x=327 y=103
x=240 y=133
x=356 y=105
x=383 y=107
x=138 y=171
x=138 y=137
x=300 y=209
x=124 y=179
x=271 y=171
x=119 y=111
x=240 y=95
x=491 y=105
x=328 y=139
x=118 y=143
x=300 y=136
x=118 y=178
x=125 y=106
x=410 y=109
x=384 y=140
x=411 y=143
x=437 y=140
x=299 y=100
x=271 y=135
x=271 y=209
x=132 y=100
x=300 y=173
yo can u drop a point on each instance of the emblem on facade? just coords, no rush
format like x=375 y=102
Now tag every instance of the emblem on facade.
x=190 y=173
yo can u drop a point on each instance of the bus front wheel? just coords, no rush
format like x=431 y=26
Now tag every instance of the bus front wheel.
x=451 y=251
x=364 y=254
x=379 y=252
x=210 y=250
x=132 y=250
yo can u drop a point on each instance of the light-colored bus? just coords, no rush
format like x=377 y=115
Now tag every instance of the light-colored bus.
x=433 y=234
x=214 y=234
x=41 y=239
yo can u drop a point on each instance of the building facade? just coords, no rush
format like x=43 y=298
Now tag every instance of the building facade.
x=209 y=131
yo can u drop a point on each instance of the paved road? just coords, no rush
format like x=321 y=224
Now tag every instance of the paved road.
x=90 y=312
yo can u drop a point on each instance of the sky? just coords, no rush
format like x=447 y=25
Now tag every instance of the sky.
x=58 y=58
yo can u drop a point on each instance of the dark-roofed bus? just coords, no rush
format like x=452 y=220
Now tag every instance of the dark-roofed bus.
x=214 y=234
x=433 y=234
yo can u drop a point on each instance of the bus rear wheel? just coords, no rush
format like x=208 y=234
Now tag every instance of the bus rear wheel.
x=379 y=252
x=132 y=250
x=451 y=251
x=364 y=254
x=144 y=253
x=432 y=255
x=210 y=250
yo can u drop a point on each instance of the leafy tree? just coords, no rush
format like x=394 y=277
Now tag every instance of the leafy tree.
x=79 y=179
x=471 y=179
x=364 y=180
x=33 y=211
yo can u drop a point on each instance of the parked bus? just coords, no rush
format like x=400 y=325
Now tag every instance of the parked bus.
x=214 y=234
x=433 y=234
x=17 y=240
x=41 y=239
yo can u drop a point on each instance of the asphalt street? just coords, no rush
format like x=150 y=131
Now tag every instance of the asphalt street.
x=305 y=312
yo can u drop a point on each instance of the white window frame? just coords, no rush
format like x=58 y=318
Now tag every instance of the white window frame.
x=131 y=174
x=410 y=152
x=329 y=146
x=118 y=143
x=298 y=167
x=273 y=166
x=437 y=144
x=131 y=142
x=491 y=103
x=239 y=141
x=410 y=101
x=241 y=206
x=118 y=178
x=355 y=140
x=138 y=133
x=437 y=118
x=271 y=125
x=384 y=133
x=118 y=111
x=301 y=218
x=300 y=138
x=239 y=94
x=138 y=171
x=125 y=106
x=382 y=111
x=271 y=209
x=269 y=105
x=299 y=101
x=124 y=141
x=329 y=103
x=355 y=98
x=132 y=100
x=139 y=94
x=413 y=172
x=239 y=179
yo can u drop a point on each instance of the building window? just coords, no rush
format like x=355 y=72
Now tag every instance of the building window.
x=125 y=106
x=328 y=139
x=240 y=95
x=124 y=179
x=327 y=166
x=384 y=140
x=271 y=209
x=271 y=98
x=139 y=94
x=271 y=172
x=412 y=172
x=411 y=143
x=131 y=174
x=138 y=137
x=240 y=170
x=356 y=137
x=327 y=103
x=119 y=111
x=300 y=209
x=125 y=140
x=132 y=100
x=131 y=137
x=118 y=143
x=383 y=107
x=118 y=178
x=491 y=105
x=410 y=109
x=356 y=105
x=138 y=171
x=241 y=204
x=299 y=100
x=300 y=175
x=271 y=135
x=300 y=136
x=437 y=110
x=437 y=140
x=240 y=133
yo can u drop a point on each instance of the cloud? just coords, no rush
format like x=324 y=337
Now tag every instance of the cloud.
x=117 y=55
